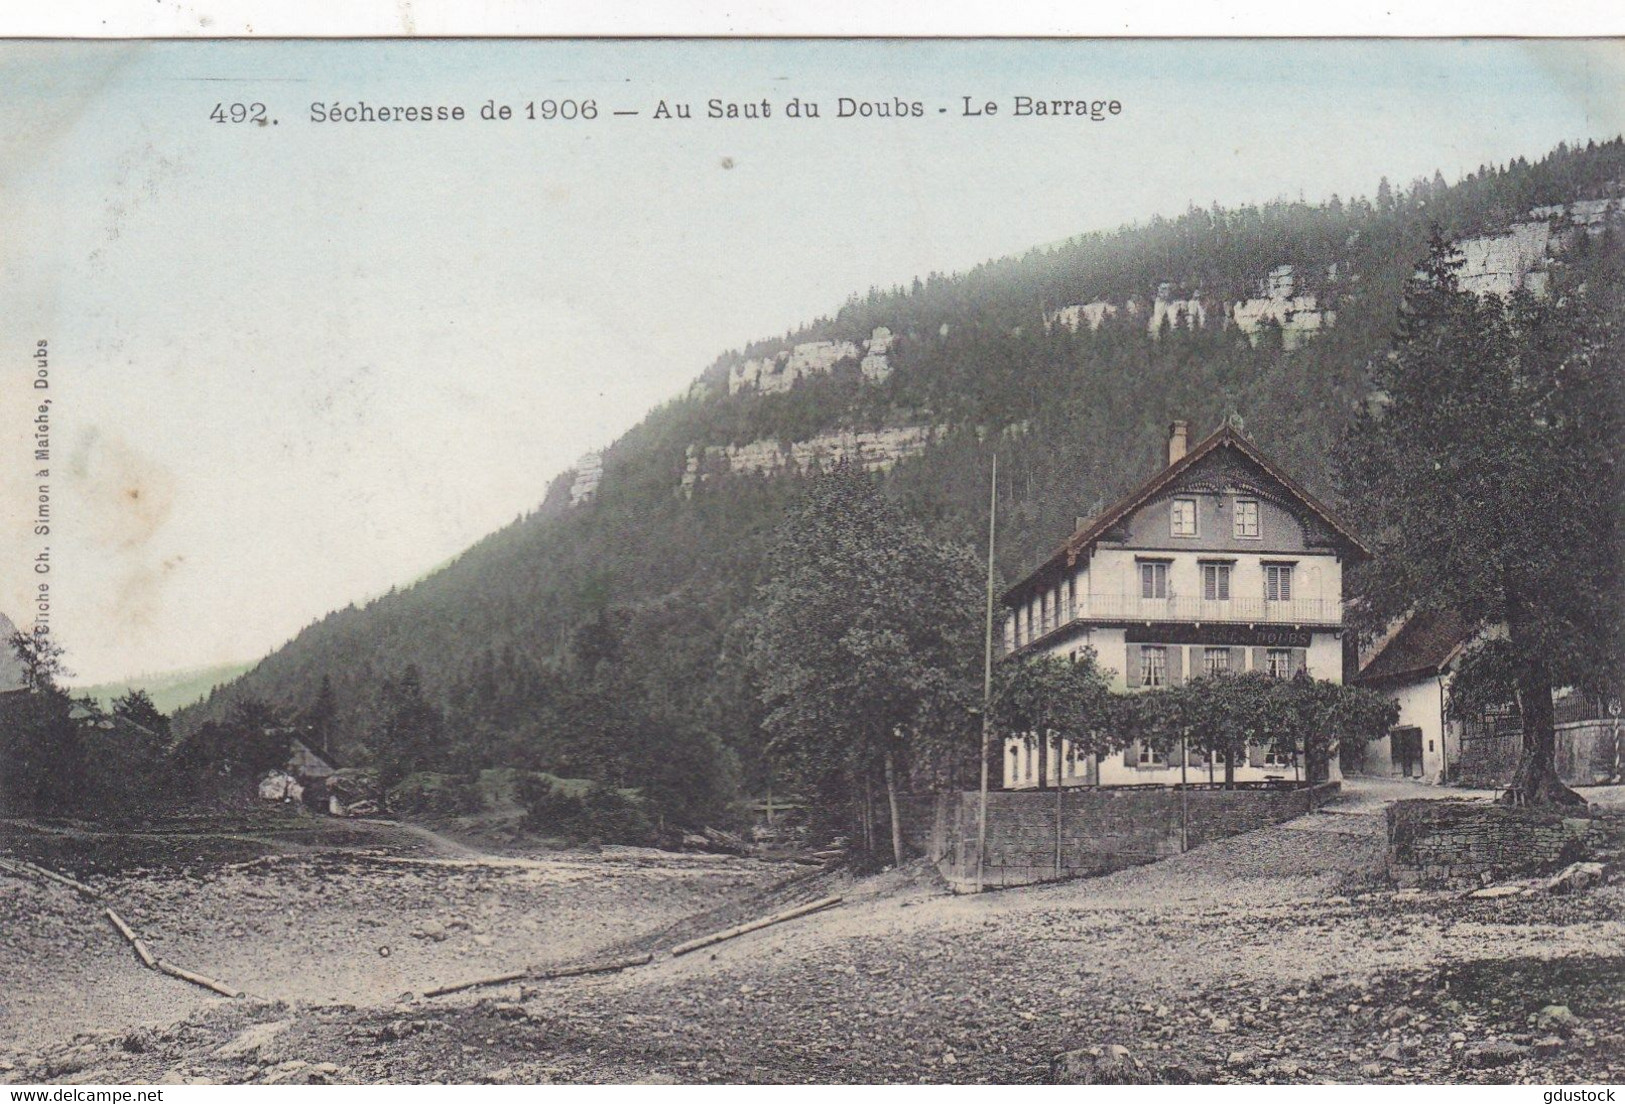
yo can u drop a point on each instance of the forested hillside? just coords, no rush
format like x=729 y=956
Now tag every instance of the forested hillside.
x=591 y=637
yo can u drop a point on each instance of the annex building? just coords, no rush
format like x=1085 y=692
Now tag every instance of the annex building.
x=1219 y=563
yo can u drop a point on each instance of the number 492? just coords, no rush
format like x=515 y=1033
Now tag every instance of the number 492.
x=238 y=113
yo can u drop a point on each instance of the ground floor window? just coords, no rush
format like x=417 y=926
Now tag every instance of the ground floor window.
x=1153 y=666
x=1280 y=662
x=1216 y=661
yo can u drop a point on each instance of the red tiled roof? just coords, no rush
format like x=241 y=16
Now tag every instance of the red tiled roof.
x=1422 y=646
x=1224 y=436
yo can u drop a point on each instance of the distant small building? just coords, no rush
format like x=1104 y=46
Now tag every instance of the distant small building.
x=1415 y=667
x=307 y=766
x=308 y=762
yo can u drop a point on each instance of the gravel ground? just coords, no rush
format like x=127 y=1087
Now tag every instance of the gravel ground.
x=1271 y=957
x=317 y=926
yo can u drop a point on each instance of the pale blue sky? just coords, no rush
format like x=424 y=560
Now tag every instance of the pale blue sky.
x=331 y=356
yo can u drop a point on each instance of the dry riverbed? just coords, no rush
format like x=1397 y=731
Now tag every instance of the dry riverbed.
x=1273 y=957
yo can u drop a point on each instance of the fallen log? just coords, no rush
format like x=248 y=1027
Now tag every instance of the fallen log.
x=141 y=951
x=611 y=967
x=755 y=925
x=477 y=983
x=197 y=979
x=533 y=974
x=22 y=867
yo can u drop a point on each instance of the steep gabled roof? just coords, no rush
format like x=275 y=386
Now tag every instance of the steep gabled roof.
x=1424 y=645
x=316 y=752
x=1226 y=436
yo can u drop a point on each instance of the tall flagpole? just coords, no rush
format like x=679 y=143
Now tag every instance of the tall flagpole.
x=987 y=679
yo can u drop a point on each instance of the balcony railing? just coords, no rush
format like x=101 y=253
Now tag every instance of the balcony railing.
x=1250 y=611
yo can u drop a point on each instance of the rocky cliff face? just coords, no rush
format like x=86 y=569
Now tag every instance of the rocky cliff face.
x=778 y=373
x=589 y=472
x=873 y=451
x=1519 y=258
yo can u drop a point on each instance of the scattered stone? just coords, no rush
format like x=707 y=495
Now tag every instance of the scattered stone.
x=1549 y=1045
x=251 y=1039
x=1112 y=1066
x=1575 y=877
x=1390 y=1053
x=1556 y=1018
x=1373 y=1069
x=1398 y=1016
x=1285 y=1067
x=1490 y=1055
x=1239 y=1059
x=139 y=1041
x=1510 y=889
x=1219 y=1025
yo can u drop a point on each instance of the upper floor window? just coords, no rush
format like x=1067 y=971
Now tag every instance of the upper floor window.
x=1247 y=518
x=1153 y=579
x=1280 y=662
x=1216 y=661
x=1278 y=582
x=1216 y=582
x=1184 y=517
x=1153 y=666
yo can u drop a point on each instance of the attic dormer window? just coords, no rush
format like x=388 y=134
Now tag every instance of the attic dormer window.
x=1183 y=517
x=1247 y=518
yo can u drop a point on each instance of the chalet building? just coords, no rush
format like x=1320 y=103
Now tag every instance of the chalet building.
x=1220 y=563
x=1414 y=667
x=306 y=766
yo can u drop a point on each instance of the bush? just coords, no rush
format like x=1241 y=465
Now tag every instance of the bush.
x=436 y=795
x=597 y=814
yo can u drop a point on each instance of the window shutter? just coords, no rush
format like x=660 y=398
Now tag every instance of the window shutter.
x=1300 y=660
x=1238 y=659
x=1176 y=665
x=1261 y=659
x=1131 y=754
x=1131 y=666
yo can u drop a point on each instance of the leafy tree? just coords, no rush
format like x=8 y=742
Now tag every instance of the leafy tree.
x=1486 y=475
x=125 y=753
x=137 y=708
x=1046 y=699
x=41 y=755
x=865 y=641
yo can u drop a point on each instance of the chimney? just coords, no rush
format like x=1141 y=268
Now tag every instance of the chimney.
x=1178 y=440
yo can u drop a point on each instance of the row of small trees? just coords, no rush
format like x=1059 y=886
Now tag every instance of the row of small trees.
x=1044 y=700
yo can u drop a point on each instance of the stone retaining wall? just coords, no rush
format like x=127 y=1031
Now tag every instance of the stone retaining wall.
x=1464 y=844
x=1048 y=835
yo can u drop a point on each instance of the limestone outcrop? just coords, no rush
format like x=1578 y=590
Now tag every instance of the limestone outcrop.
x=877 y=450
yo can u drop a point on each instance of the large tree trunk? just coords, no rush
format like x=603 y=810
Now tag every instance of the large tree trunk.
x=896 y=821
x=1536 y=781
x=1043 y=760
